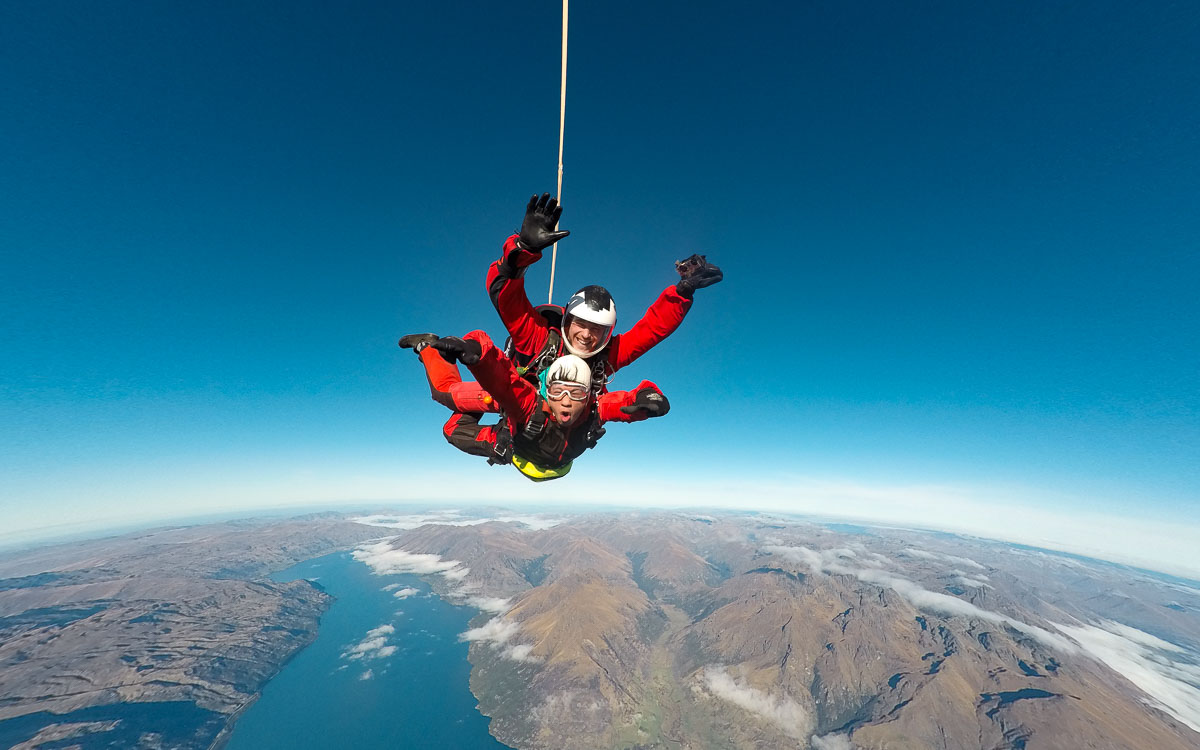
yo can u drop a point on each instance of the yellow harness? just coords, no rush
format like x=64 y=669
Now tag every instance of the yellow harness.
x=537 y=473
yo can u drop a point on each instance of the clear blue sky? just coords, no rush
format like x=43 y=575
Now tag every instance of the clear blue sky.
x=960 y=243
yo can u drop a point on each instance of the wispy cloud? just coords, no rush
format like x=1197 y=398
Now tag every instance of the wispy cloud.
x=406 y=592
x=367 y=675
x=833 y=742
x=497 y=633
x=443 y=517
x=924 y=554
x=964 y=561
x=975 y=583
x=454 y=518
x=374 y=646
x=781 y=711
x=1167 y=673
x=536 y=523
x=490 y=603
x=384 y=560
x=833 y=561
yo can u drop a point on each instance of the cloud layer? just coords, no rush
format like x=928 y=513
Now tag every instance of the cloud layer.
x=1167 y=673
x=452 y=518
x=837 y=561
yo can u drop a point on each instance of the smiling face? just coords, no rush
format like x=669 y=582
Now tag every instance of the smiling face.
x=586 y=336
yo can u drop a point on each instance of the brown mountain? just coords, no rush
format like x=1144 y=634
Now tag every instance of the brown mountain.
x=665 y=631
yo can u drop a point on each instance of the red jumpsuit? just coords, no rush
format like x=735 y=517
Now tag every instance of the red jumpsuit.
x=529 y=330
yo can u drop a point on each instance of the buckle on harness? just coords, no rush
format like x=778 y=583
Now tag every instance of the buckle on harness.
x=502 y=449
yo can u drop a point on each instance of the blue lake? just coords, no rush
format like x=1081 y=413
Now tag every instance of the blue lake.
x=384 y=672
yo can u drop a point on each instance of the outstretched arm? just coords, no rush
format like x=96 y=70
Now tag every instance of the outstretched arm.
x=641 y=403
x=505 y=279
x=667 y=312
x=506 y=287
x=660 y=321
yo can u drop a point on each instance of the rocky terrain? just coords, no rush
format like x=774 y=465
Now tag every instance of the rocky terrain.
x=154 y=639
x=635 y=630
x=672 y=631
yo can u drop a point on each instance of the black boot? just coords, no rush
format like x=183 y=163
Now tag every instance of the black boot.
x=417 y=341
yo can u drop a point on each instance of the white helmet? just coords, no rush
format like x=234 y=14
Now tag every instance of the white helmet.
x=595 y=305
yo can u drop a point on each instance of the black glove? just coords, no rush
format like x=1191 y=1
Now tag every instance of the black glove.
x=696 y=273
x=650 y=401
x=453 y=348
x=541 y=217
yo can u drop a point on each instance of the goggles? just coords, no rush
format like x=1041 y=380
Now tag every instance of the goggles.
x=574 y=391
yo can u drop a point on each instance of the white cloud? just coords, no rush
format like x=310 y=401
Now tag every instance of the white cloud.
x=490 y=604
x=832 y=742
x=373 y=646
x=927 y=555
x=536 y=523
x=832 y=561
x=974 y=583
x=1154 y=665
x=367 y=675
x=406 y=592
x=392 y=586
x=497 y=632
x=444 y=518
x=522 y=652
x=964 y=561
x=384 y=560
x=781 y=711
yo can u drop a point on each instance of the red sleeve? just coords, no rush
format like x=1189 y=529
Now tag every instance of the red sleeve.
x=660 y=321
x=609 y=404
x=515 y=395
x=506 y=287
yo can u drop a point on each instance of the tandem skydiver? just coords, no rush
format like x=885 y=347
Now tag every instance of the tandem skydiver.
x=585 y=326
x=543 y=428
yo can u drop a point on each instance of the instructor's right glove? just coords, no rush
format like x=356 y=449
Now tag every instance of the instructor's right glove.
x=538 y=229
x=453 y=348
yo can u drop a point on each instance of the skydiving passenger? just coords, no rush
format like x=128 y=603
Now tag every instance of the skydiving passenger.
x=543 y=428
x=585 y=327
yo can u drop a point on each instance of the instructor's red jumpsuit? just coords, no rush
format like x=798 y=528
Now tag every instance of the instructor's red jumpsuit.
x=529 y=330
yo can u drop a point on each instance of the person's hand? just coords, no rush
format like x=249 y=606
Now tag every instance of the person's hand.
x=696 y=273
x=452 y=348
x=650 y=401
x=538 y=229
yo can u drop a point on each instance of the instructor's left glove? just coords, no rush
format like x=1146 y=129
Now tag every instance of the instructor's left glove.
x=696 y=273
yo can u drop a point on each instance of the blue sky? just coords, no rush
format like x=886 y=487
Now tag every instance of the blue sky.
x=960 y=246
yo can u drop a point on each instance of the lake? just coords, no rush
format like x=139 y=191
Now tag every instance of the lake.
x=384 y=672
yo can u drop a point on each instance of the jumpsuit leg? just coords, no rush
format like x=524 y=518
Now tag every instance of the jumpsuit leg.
x=468 y=401
x=446 y=386
x=464 y=432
